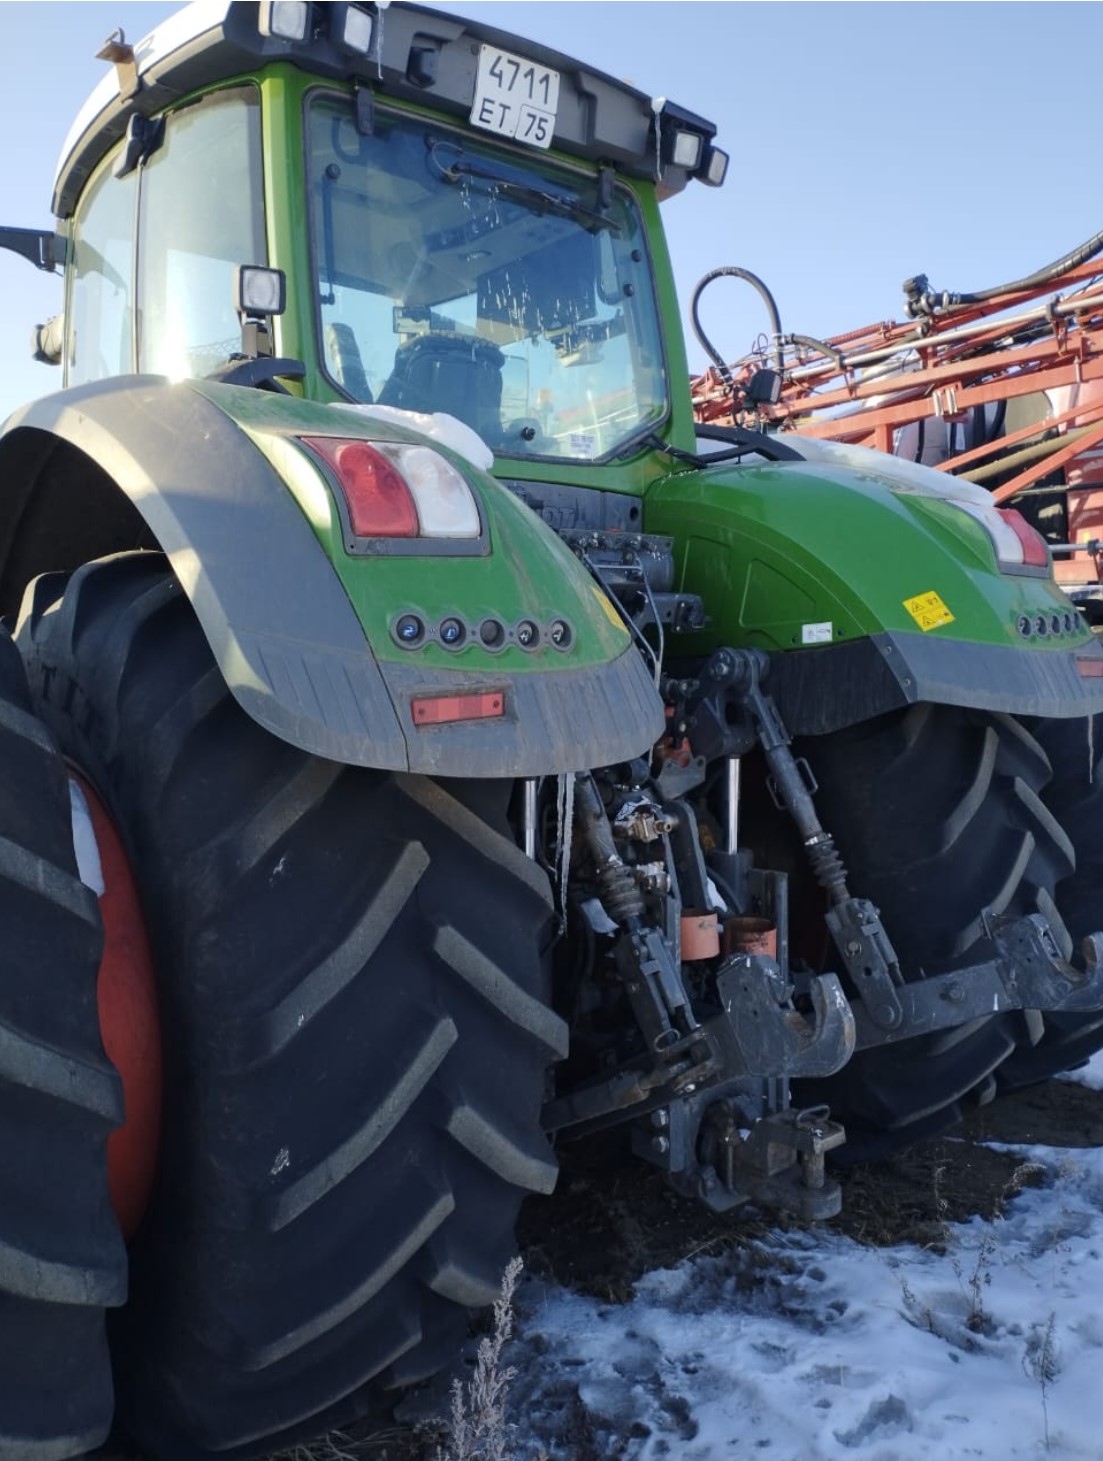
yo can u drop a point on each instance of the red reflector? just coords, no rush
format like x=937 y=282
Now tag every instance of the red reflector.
x=379 y=502
x=440 y=709
x=1091 y=669
x=1035 y=547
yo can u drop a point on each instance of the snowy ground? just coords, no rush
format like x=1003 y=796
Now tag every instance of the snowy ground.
x=807 y=1346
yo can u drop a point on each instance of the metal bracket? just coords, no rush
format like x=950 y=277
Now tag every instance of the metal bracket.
x=1026 y=972
x=766 y=1171
x=46 y=251
x=364 y=111
x=676 y=780
x=712 y=1152
x=759 y=1036
x=870 y=959
x=944 y=402
x=762 y=1034
x=121 y=55
x=144 y=135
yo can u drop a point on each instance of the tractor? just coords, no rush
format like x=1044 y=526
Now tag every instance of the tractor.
x=424 y=745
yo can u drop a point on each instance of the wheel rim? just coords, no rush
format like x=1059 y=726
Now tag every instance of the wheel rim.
x=129 y=1022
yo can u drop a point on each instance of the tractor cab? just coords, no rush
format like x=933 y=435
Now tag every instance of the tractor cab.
x=463 y=228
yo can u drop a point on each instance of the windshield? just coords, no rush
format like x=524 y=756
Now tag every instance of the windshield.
x=451 y=277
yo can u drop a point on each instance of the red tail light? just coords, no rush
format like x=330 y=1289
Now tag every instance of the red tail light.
x=380 y=503
x=399 y=490
x=1035 y=547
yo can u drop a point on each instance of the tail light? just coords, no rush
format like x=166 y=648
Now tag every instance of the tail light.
x=396 y=490
x=1035 y=549
x=1016 y=543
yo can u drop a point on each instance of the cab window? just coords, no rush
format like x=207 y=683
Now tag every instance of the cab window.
x=201 y=214
x=99 y=319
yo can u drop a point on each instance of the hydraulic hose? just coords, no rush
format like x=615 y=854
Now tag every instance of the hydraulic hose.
x=732 y=271
x=922 y=300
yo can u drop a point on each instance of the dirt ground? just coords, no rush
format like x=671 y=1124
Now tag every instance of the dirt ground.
x=609 y=1222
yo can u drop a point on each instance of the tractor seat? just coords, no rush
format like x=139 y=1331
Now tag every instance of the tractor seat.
x=457 y=373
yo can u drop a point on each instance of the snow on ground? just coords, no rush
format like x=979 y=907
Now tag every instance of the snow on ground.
x=807 y=1346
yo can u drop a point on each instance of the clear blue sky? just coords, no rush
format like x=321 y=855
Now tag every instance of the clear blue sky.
x=869 y=142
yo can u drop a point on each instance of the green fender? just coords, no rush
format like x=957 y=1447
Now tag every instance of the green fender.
x=868 y=595
x=213 y=476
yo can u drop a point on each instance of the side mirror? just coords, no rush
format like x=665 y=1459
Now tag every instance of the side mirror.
x=47 y=341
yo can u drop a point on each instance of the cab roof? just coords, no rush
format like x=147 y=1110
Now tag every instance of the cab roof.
x=414 y=52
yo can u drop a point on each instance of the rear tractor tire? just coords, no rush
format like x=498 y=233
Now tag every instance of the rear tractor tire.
x=1075 y=797
x=354 y=996
x=62 y=1259
x=938 y=815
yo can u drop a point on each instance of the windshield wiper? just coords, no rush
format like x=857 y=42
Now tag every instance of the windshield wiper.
x=462 y=168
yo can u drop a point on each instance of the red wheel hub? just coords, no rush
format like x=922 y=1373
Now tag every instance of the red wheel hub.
x=129 y=1023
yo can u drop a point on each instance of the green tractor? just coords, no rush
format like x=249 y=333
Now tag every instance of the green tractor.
x=422 y=746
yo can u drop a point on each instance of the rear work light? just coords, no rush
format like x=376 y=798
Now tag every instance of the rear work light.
x=715 y=168
x=394 y=490
x=351 y=28
x=686 y=148
x=287 y=20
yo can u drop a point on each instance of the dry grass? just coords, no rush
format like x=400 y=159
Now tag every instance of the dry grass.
x=479 y=1429
x=334 y=1447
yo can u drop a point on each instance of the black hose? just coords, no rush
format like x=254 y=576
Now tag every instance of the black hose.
x=922 y=301
x=768 y=299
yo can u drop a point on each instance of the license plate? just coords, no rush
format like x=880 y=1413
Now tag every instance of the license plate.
x=515 y=97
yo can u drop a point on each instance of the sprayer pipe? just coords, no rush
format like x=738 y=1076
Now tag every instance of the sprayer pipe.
x=961 y=332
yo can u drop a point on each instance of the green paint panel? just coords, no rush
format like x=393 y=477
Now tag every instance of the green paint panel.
x=527 y=574
x=780 y=550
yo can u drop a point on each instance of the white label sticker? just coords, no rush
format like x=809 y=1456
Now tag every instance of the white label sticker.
x=816 y=633
x=514 y=97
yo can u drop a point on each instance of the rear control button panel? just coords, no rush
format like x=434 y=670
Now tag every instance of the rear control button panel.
x=413 y=630
x=1051 y=625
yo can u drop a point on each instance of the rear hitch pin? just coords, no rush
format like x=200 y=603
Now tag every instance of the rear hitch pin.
x=813 y=1120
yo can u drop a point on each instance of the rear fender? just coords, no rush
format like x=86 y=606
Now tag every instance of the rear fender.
x=869 y=597
x=296 y=626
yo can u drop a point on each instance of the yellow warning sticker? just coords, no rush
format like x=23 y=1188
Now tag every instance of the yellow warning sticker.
x=928 y=611
x=607 y=604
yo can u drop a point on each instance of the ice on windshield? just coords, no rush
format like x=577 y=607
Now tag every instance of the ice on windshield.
x=454 y=277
